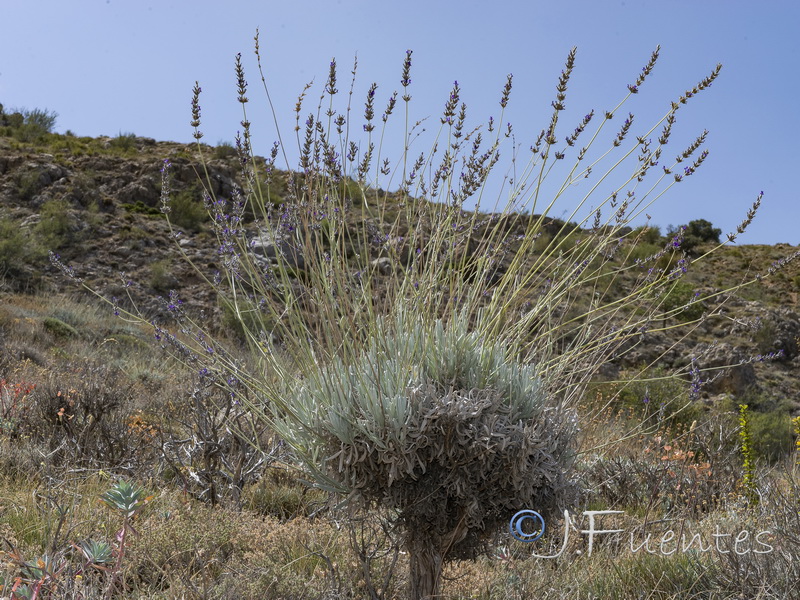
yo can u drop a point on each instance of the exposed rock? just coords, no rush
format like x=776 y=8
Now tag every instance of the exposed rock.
x=383 y=265
x=142 y=190
x=737 y=374
x=652 y=348
x=786 y=332
x=47 y=172
x=264 y=245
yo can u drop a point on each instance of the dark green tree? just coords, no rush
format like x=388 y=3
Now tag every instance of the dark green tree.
x=697 y=232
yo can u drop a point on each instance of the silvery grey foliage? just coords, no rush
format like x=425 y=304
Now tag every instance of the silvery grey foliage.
x=446 y=429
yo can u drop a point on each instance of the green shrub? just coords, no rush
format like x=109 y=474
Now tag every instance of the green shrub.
x=697 y=232
x=140 y=208
x=282 y=497
x=703 y=231
x=162 y=278
x=649 y=234
x=248 y=321
x=42 y=119
x=754 y=293
x=224 y=150
x=12 y=120
x=29 y=184
x=124 y=143
x=57 y=226
x=15 y=248
x=644 y=250
x=680 y=302
x=765 y=337
x=771 y=435
x=769 y=423
x=659 y=403
x=187 y=210
x=29 y=125
x=59 y=329
x=71 y=145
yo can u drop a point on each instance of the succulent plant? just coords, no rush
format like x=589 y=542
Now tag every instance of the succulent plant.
x=126 y=498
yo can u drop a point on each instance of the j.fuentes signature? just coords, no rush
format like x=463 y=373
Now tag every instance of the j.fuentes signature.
x=668 y=543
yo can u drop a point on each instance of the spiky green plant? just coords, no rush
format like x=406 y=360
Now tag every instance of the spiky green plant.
x=128 y=500
x=97 y=552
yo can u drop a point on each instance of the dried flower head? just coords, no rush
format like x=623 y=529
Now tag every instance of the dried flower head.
x=330 y=86
x=369 y=109
x=241 y=82
x=646 y=70
x=451 y=104
x=624 y=130
x=405 y=78
x=748 y=219
x=195 y=122
x=506 y=91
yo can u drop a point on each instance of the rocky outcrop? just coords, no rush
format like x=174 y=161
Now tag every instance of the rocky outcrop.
x=266 y=247
x=731 y=370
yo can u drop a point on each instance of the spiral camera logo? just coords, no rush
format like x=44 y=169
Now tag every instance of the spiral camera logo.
x=515 y=526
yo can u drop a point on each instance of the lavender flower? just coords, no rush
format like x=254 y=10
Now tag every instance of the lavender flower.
x=405 y=79
x=697 y=382
x=195 y=122
x=241 y=82
x=506 y=91
x=330 y=86
x=165 y=188
x=55 y=260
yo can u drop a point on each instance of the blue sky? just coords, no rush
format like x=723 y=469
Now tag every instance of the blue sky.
x=111 y=66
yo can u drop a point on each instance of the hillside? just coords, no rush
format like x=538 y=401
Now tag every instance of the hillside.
x=87 y=395
x=96 y=202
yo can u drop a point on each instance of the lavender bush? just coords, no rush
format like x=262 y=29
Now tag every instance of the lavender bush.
x=420 y=356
